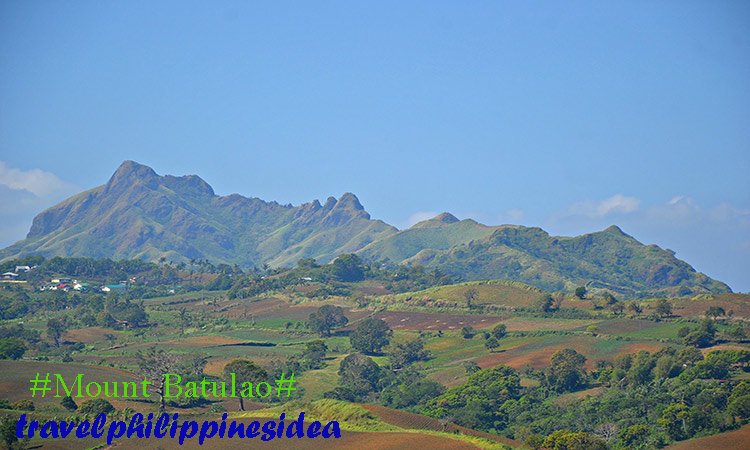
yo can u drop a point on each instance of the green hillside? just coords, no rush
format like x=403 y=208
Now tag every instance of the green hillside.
x=439 y=233
x=139 y=214
x=607 y=259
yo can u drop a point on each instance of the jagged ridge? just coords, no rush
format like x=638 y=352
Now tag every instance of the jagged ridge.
x=140 y=214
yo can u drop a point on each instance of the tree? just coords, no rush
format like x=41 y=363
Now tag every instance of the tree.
x=8 y=431
x=581 y=292
x=674 y=420
x=154 y=364
x=315 y=352
x=468 y=332
x=715 y=311
x=244 y=372
x=703 y=336
x=566 y=371
x=406 y=353
x=545 y=303
x=491 y=343
x=327 y=318
x=617 y=308
x=11 y=348
x=371 y=336
x=739 y=406
x=95 y=407
x=359 y=375
x=471 y=367
x=184 y=319
x=573 y=440
x=68 y=403
x=478 y=402
x=55 y=330
x=470 y=295
x=499 y=331
x=634 y=436
x=663 y=308
x=348 y=268
x=609 y=298
x=635 y=308
x=408 y=391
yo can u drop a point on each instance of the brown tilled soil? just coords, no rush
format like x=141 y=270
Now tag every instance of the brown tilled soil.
x=538 y=357
x=733 y=440
x=403 y=419
x=399 y=320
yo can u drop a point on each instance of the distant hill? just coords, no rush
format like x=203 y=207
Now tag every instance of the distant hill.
x=439 y=233
x=607 y=259
x=139 y=214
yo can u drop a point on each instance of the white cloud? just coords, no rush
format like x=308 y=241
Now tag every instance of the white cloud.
x=25 y=193
x=712 y=238
x=617 y=204
x=38 y=182
x=684 y=209
x=513 y=215
x=419 y=216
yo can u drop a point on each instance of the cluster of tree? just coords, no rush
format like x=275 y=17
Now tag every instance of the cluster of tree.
x=14 y=303
x=12 y=348
x=491 y=338
x=649 y=400
x=326 y=319
x=105 y=269
x=397 y=384
x=371 y=336
x=701 y=337
x=156 y=279
x=113 y=311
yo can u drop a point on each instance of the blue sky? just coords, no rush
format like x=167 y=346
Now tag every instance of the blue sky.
x=566 y=115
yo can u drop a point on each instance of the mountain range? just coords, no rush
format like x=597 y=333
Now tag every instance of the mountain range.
x=140 y=214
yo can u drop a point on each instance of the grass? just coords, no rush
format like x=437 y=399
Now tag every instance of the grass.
x=495 y=292
x=356 y=418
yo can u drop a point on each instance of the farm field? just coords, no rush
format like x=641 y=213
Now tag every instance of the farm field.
x=731 y=440
x=272 y=330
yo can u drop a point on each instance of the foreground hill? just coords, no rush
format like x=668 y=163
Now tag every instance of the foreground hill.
x=139 y=214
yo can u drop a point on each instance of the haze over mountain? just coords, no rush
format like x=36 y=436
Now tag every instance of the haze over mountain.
x=139 y=214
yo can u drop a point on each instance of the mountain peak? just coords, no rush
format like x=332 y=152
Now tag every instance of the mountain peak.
x=131 y=171
x=349 y=201
x=445 y=217
x=441 y=219
x=129 y=167
x=614 y=229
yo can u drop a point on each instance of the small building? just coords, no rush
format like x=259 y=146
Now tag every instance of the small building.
x=9 y=276
x=22 y=269
x=112 y=287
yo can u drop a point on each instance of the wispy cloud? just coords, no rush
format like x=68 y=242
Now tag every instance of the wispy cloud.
x=617 y=204
x=419 y=216
x=36 y=181
x=712 y=238
x=25 y=193
x=684 y=209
